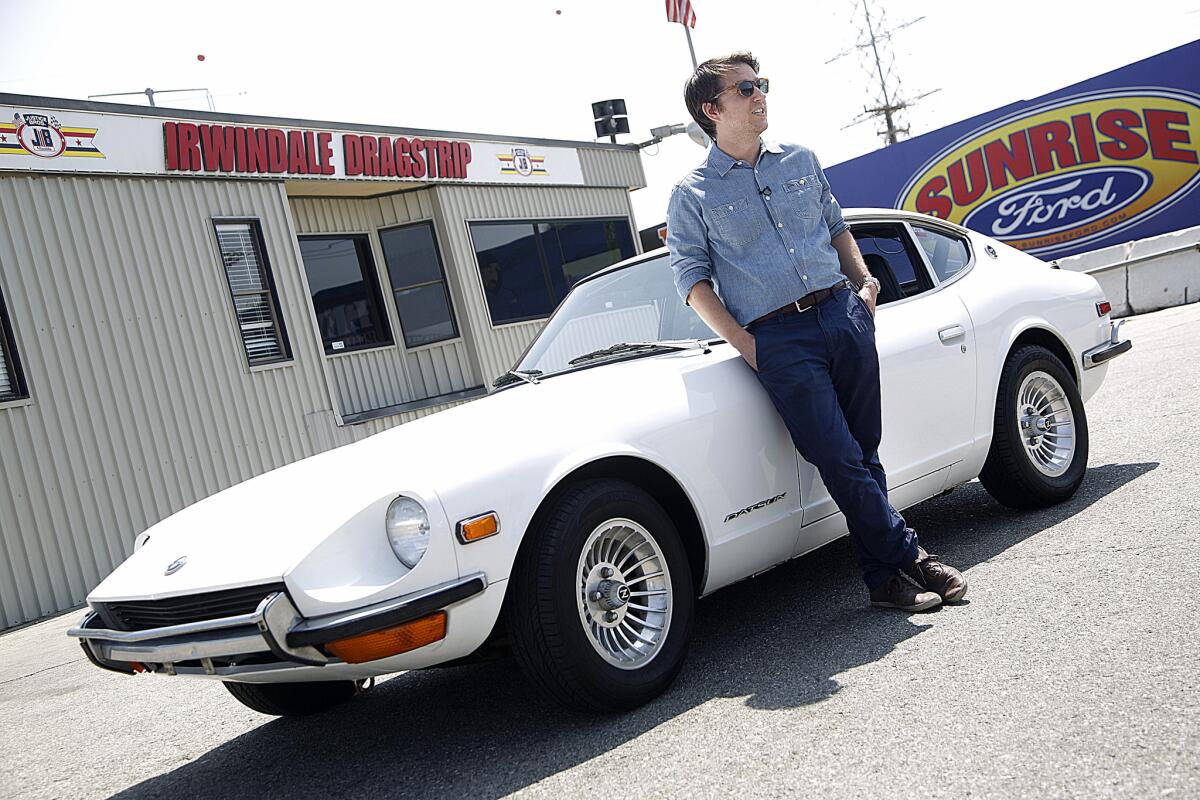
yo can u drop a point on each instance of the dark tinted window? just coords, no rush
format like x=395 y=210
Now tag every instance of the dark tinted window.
x=345 y=295
x=527 y=268
x=890 y=256
x=12 y=383
x=418 y=284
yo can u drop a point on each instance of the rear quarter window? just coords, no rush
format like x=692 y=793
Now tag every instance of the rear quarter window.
x=948 y=254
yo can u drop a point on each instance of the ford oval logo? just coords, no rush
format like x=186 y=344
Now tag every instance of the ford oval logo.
x=1059 y=203
x=1067 y=172
x=176 y=565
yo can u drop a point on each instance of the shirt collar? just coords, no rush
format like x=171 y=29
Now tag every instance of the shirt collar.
x=722 y=162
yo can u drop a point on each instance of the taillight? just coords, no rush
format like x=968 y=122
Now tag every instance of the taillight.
x=1103 y=307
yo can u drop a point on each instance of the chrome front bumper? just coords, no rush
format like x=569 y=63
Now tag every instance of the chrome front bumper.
x=1097 y=355
x=275 y=635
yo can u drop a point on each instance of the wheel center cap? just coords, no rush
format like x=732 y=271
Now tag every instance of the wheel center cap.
x=613 y=594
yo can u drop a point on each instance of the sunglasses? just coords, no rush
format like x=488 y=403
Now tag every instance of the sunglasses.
x=745 y=88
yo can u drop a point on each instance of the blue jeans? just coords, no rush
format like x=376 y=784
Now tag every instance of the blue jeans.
x=821 y=370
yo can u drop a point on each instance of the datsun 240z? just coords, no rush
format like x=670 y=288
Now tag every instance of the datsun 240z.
x=628 y=464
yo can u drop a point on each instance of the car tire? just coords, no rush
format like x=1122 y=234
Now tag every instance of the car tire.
x=563 y=636
x=1024 y=470
x=292 y=699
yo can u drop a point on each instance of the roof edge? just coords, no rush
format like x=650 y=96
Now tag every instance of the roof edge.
x=292 y=122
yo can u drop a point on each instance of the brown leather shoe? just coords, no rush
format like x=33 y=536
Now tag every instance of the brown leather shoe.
x=932 y=574
x=902 y=592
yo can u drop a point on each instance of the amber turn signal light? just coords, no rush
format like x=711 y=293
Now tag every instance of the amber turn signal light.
x=390 y=641
x=476 y=528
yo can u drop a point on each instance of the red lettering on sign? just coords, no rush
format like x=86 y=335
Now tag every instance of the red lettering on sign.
x=1126 y=144
x=216 y=142
x=464 y=158
x=277 y=155
x=1163 y=137
x=1049 y=141
x=239 y=148
x=387 y=158
x=418 y=163
x=370 y=155
x=296 y=159
x=1014 y=160
x=931 y=201
x=189 y=146
x=256 y=150
x=430 y=156
x=325 y=152
x=352 y=154
x=172 y=145
x=310 y=150
x=1085 y=138
x=962 y=193
x=445 y=157
x=403 y=157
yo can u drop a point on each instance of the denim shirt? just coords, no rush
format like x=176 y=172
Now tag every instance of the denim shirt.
x=761 y=234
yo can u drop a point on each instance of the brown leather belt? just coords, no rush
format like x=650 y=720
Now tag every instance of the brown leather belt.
x=803 y=304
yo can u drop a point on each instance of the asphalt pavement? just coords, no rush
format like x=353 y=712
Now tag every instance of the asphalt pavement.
x=1070 y=672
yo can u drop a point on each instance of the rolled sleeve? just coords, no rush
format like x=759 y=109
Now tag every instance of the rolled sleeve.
x=687 y=241
x=830 y=209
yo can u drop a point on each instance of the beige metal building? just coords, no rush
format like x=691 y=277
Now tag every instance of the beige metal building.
x=190 y=299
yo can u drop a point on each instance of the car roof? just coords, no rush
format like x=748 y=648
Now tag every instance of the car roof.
x=850 y=214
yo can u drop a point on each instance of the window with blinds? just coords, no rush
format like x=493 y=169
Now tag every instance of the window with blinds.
x=255 y=303
x=12 y=383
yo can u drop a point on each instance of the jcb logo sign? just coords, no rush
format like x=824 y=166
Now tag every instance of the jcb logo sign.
x=1074 y=170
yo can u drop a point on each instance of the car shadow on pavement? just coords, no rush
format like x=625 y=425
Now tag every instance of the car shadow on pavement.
x=779 y=640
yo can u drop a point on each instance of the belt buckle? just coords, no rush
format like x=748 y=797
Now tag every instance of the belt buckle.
x=800 y=310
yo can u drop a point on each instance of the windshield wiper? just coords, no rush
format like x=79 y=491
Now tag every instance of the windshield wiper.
x=516 y=376
x=623 y=348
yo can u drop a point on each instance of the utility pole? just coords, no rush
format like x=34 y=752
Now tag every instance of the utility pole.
x=889 y=102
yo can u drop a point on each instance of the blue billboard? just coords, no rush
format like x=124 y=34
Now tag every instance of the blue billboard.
x=1104 y=161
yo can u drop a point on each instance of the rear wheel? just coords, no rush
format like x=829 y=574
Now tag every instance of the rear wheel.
x=1040 y=439
x=292 y=699
x=600 y=604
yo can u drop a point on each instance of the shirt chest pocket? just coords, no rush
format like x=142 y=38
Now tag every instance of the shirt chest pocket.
x=804 y=195
x=738 y=222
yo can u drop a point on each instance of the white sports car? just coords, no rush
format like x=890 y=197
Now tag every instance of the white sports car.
x=628 y=464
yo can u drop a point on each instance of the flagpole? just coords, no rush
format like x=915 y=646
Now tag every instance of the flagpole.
x=691 y=49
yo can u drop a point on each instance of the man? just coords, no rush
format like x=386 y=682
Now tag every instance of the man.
x=758 y=220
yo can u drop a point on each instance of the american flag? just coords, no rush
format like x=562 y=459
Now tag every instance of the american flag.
x=681 y=11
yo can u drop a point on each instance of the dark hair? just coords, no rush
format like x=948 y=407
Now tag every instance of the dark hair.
x=705 y=83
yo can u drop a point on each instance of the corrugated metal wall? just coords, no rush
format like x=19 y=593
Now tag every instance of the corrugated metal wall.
x=141 y=400
x=610 y=167
x=498 y=347
x=385 y=376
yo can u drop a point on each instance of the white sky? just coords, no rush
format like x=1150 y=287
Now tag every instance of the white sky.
x=521 y=68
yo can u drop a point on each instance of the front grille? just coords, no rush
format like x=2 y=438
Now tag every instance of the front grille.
x=139 y=615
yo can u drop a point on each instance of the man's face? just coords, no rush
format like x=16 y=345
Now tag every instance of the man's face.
x=739 y=117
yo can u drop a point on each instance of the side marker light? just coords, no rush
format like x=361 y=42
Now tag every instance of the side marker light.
x=476 y=528
x=1103 y=307
x=390 y=641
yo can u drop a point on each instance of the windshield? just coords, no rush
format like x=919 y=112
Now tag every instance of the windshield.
x=634 y=304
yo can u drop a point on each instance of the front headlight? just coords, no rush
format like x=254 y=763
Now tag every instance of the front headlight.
x=407 y=530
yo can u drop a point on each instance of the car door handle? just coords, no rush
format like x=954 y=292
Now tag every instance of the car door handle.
x=953 y=332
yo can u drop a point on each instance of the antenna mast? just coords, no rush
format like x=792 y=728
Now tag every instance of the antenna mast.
x=874 y=50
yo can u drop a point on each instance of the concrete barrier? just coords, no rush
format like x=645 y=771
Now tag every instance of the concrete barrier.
x=1145 y=275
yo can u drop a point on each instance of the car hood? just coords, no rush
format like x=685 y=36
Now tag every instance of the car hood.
x=256 y=531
